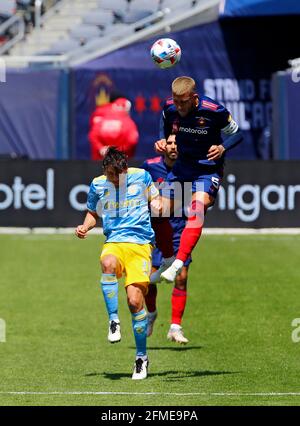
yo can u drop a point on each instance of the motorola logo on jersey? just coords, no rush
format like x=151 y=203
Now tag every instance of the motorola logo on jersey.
x=193 y=131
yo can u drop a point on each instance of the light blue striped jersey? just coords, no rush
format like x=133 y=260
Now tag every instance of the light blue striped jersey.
x=124 y=210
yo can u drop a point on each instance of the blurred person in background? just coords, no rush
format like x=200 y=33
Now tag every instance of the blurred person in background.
x=111 y=125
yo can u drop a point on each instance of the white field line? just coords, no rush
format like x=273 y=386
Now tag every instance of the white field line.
x=207 y=231
x=209 y=394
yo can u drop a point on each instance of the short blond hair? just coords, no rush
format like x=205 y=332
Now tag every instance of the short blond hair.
x=182 y=85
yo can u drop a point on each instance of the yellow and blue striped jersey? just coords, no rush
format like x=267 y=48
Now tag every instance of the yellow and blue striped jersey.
x=124 y=210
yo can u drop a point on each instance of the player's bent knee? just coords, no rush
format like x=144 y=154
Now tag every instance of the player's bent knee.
x=135 y=297
x=109 y=264
x=135 y=304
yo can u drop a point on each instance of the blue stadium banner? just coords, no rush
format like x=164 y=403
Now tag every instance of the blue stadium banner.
x=244 y=8
x=286 y=112
x=34 y=117
x=254 y=194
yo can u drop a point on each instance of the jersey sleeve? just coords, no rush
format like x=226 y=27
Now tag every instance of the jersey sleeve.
x=225 y=121
x=92 y=199
x=165 y=125
x=230 y=129
x=152 y=191
x=145 y=166
x=231 y=126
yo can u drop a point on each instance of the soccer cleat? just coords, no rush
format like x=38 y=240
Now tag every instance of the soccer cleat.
x=155 y=276
x=151 y=319
x=169 y=275
x=176 y=335
x=140 y=369
x=114 y=331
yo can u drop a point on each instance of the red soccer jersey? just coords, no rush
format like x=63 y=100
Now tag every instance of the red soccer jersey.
x=111 y=125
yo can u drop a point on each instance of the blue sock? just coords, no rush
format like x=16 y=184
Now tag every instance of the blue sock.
x=139 y=325
x=109 y=284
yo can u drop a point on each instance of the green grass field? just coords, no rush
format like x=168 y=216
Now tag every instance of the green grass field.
x=244 y=292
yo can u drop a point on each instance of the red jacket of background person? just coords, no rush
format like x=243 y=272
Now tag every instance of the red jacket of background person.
x=111 y=125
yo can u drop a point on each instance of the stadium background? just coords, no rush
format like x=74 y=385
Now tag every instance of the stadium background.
x=237 y=59
x=242 y=289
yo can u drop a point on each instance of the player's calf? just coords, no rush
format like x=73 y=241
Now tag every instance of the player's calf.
x=151 y=320
x=109 y=286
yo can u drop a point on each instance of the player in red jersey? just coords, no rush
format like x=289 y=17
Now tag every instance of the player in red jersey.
x=111 y=125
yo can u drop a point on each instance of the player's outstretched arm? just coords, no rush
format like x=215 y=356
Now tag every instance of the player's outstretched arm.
x=89 y=223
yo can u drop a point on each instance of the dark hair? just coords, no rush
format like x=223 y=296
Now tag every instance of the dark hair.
x=169 y=133
x=116 y=159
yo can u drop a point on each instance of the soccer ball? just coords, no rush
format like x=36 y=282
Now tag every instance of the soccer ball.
x=165 y=53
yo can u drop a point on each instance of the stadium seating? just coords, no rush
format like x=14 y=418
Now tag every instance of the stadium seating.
x=177 y=4
x=117 y=6
x=117 y=29
x=63 y=46
x=101 y=18
x=11 y=26
x=85 y=32
x=7 y=8
x=95 y=41
x=136 y=15
x=137 y=5
x=90 y=22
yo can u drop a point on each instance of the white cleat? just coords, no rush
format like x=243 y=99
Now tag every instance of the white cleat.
x=114 y=331
x=169 y=275
x=151 y=319
x=140 y=369
x=155 y=276
x=176 y=335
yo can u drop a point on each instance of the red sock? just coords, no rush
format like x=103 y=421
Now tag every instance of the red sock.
x=150 y=298
x=178 y=305
x=163 y=235
x=192 y=231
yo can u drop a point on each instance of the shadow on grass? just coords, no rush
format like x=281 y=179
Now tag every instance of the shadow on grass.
x=176 y=347
x=170 y=375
